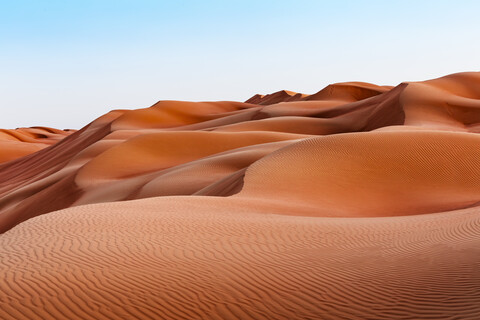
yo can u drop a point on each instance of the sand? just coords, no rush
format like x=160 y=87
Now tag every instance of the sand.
x=178 y=258
x=20 y=142
x=356 y=202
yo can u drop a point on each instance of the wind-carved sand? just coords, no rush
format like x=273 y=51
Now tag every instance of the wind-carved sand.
x=20 y=142
x=357 y=202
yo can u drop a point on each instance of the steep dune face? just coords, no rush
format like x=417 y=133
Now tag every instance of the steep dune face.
x=358 y=201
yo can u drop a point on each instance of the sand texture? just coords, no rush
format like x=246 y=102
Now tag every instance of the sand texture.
x=356 y=202
x=16 y=143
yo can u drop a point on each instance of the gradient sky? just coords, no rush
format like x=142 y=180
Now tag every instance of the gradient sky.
x=64 y=63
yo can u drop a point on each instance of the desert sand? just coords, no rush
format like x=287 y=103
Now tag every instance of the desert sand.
x=16 y=143
x=356 y=202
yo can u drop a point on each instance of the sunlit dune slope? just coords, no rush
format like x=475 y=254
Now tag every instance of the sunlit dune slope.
x=372 y=174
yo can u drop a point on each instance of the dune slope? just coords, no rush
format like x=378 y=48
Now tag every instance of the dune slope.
x=223 y=258
x=24 y=141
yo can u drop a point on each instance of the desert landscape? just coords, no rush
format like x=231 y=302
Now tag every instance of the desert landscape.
x=357 y=202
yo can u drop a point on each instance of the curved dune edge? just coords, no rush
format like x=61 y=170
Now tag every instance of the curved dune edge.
x=178 y=258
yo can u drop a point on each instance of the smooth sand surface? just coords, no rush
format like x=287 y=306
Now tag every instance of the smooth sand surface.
x=356 y=202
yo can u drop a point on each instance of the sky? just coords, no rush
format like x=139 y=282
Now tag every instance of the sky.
x=65 y=63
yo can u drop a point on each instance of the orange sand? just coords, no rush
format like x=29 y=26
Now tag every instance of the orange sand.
x=359 y=201
x=23 y=141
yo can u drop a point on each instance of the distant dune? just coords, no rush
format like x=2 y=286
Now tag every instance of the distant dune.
x=23 y=141
x=356 y=202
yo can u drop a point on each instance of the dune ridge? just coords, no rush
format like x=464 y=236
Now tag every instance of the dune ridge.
x=358 y=201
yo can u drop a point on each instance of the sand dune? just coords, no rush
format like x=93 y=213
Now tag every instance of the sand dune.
x=24 y=141
x=221 y=258
x=383 y=173
x=356 y=202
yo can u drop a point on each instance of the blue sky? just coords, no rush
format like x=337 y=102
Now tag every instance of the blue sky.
x=64 y=63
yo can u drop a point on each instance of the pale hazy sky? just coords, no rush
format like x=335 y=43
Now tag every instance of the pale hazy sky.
x=64 y=63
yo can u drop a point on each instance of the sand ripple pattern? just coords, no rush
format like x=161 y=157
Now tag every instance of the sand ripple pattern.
x=184 y=261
